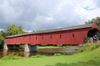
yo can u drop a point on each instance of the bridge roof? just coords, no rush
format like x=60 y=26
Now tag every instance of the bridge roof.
x=55 y=30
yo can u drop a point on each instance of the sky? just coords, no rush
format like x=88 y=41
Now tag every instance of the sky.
x=35 y=15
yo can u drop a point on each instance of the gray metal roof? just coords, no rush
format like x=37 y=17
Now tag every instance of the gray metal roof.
x=55 y=30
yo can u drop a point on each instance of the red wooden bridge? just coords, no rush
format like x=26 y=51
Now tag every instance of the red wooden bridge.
x=64 y=36
x=69 y=35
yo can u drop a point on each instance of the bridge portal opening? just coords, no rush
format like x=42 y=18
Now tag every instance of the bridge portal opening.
x=93 y=35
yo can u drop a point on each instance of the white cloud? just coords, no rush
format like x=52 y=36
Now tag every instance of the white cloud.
x=88 y=10
x=97 y=2
x=44 y=14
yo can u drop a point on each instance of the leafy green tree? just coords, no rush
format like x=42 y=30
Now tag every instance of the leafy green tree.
x=1 y=37
x=13 y=30
x=96 y=20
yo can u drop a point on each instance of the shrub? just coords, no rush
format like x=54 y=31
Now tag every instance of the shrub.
x=86 y=40
x=88 y=47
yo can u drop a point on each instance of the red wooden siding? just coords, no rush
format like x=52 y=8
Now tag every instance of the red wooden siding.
x=72 y=36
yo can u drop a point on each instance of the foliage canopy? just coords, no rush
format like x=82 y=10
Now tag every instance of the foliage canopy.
x=13 y=30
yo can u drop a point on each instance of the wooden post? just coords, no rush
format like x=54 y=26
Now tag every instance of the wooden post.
x=26 y=50
x=5 y=49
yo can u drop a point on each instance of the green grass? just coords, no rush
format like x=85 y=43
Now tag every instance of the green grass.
x=86 y=58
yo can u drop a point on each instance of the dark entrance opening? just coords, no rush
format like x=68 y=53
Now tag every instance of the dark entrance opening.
x=92 y=33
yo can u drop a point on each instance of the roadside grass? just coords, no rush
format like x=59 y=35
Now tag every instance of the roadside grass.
x=85 y=58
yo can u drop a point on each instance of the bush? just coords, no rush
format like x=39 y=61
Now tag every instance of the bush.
x=86 y=40
x=88 y=47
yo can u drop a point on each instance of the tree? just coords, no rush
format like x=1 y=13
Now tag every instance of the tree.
x=13 y=30
x=96 y=20
x=1 y=37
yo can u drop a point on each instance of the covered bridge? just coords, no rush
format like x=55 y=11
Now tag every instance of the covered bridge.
x=69 y=35
x=74 y=35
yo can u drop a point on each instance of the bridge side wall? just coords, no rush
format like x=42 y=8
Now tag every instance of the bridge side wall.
x=55 y=38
